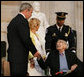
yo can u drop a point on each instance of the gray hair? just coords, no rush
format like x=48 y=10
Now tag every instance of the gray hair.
x=66 y=43
x=25 y=6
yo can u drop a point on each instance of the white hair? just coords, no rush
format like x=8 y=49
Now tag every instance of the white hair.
x=65 y=42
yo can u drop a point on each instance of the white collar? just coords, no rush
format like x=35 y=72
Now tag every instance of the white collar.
x=60 y=27
x=22 y=15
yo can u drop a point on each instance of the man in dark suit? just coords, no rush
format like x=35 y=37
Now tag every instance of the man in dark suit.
x=59 y=30
x=20 y=42
x=62 y=61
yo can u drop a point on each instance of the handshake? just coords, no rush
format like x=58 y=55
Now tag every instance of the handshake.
x=38 y=55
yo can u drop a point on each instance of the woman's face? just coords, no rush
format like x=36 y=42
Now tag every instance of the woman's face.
x=34 y=24
x=37 y=27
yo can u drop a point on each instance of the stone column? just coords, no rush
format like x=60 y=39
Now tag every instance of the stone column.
x=79 y=28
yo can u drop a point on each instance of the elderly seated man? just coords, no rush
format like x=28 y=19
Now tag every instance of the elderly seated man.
x=62 y=61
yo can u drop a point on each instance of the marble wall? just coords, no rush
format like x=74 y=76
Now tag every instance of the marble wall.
x=79 y=28
x=9 y=9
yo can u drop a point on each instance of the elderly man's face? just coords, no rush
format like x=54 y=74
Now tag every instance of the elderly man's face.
x=61 y=45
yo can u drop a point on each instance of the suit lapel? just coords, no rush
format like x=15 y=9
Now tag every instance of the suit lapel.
x=67 y=58
x=62 y=31
x=63 y=28
x=56 y=28
x=57 y=64
x=22 y=18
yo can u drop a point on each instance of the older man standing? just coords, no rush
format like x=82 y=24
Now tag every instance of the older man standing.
x=20 y=42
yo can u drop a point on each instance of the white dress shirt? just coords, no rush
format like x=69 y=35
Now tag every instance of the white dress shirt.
x=59 y=27
x=22 y=15
x=63 y=62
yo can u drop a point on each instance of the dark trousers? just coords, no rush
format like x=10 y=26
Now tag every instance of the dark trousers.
x=18 y=69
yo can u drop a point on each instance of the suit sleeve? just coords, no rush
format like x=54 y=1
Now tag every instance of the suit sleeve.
x=48 y=40
x=76 y=60
x=44 y=64
x=24 y=34
x=71 y=40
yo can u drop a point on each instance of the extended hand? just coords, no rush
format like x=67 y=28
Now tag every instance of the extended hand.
x=37 y=54
x=73 y=67
x=32 y=64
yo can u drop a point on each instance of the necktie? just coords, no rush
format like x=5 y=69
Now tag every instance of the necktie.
x=59 y=29
x=62 y=54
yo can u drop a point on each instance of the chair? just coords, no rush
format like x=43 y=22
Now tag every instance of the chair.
x=5 y=68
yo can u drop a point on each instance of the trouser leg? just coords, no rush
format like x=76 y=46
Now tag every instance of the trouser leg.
x=18 y=69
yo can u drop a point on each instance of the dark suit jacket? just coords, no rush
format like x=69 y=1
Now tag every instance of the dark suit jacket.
x=53 y=61
x=53 y=35
x=19 y=40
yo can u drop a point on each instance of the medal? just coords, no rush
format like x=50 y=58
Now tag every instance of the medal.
x=54 y=34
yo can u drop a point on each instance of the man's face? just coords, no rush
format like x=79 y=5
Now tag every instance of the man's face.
x=29 y=13
x=60 y=45
x=60 y=22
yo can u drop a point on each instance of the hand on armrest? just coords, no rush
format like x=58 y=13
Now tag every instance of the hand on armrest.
x=73 y=67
